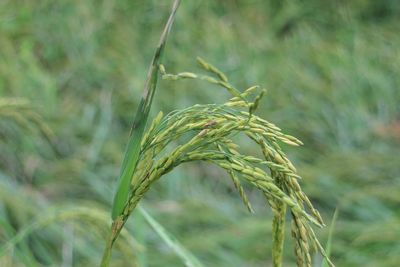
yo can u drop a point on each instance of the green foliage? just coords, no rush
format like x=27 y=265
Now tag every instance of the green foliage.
x=332 y=73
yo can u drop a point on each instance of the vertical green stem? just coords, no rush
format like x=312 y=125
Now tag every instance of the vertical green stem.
x=278 y=232
x=105 y=260
x=116 y=228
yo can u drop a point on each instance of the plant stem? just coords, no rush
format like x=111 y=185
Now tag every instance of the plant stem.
x=105 y=260
x=278 y=232
x=116 y=228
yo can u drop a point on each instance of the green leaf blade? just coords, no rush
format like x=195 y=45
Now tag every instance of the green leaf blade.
x=133 y=148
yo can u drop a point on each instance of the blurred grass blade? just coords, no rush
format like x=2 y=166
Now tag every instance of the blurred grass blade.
x=328 y=246
x=61 y=214
x=188 y=258
x=139 y=124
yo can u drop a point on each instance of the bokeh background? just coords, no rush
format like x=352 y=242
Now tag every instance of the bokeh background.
x=71 y=77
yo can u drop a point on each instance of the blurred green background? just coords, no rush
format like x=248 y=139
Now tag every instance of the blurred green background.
x=332 y=71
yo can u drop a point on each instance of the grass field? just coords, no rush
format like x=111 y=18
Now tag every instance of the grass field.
x=71 y=77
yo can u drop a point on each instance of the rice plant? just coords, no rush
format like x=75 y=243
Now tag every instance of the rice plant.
x=332 y=73
x=22 y=113
x=206 y=132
